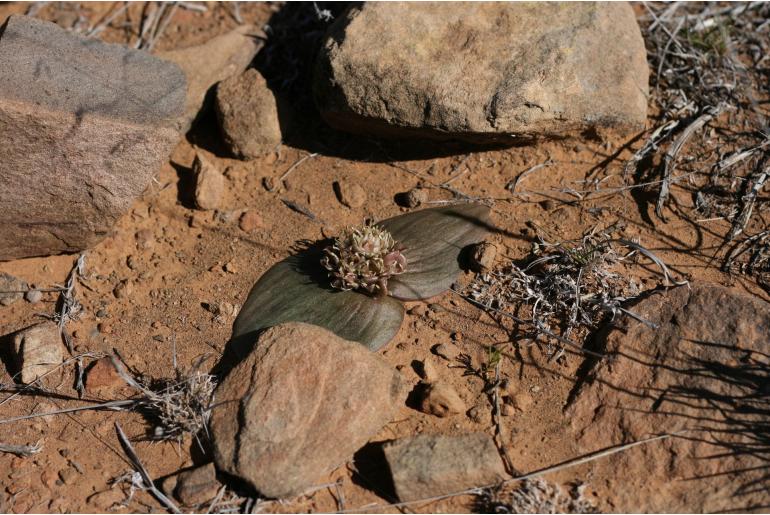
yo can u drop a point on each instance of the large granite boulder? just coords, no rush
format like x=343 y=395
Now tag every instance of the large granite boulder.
x=84 y=125
x=485 y=72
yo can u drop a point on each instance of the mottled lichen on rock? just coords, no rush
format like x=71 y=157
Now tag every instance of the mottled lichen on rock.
x=364 y=258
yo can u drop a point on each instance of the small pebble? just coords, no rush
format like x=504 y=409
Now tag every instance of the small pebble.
x=68 y=475
x=250 y=221
x=33 y=296
x=445 y=351
x=414 y=197
x=428 y=371
x=476 y=415
x=350 y=194
x=268 y=183
x=13 y=287
x=123 y=289
x=209 y=184
x=483 y=257
x=441 y=399
x=418 y=310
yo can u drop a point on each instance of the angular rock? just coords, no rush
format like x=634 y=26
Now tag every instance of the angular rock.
x=441 y=399
x=103 y=378
x=11 y=288
x=448 y=352
x=427 y=371
x=209 y=184
x=298 y=406
x=485 y=72
x=197 y=486
x=85 y=125
x=705 y=371
x=430 y=465
x=38 y=349
x=248 y=115
x=205 y=65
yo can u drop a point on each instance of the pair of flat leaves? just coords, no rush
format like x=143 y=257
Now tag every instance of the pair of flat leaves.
x=297 y=289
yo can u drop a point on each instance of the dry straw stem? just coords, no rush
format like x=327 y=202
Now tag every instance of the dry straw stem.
x=23 y=451
x=669 y=160
x=147 y=482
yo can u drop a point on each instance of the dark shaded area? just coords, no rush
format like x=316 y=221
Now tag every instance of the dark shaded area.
x=6 y=354
x=371 y=471
x=186 y=185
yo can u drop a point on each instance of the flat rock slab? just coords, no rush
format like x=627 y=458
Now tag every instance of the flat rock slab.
x=705 y=371
x=484 y=72
x=298 y=406
x=84 y=125
x=429 y=465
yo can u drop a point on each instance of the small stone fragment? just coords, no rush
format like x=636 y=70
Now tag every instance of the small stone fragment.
x=350 y=194
x=38 y=350
x=248 y=115
x=197 y=486
x=102 y=377
x=448 y=352
x=418 y=310
x=483 y=257
x=298 y=406
x=415 y=197
x=427 y=371
x=476 y=414
x=250 y=221
x=431 y=465
x=441 y=399
x=209 y=184
x=521 y=401
x=123 y=289
x=68 y=475
x=11 y=289
x=33 y=296
x=215 y=60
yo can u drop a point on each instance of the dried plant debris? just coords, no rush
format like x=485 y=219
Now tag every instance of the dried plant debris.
x=180 y=406
x=534 y=496
x=565 y=289
x=751 y=256
x=177 y=406
x=710 y=64
x=703 y=53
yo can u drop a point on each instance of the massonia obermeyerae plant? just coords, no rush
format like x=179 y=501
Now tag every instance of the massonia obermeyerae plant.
x=353 y=286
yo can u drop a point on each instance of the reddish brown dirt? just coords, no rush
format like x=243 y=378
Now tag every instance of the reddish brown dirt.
x=178 y=256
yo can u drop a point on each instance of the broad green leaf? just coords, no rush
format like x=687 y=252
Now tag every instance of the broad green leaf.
x=433 y=239
x=297 y=290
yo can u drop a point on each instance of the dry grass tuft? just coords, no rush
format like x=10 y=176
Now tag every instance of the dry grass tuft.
x=565 y=289
x=534 y=496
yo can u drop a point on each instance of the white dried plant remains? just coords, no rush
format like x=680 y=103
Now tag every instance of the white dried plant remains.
x=364 y=258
